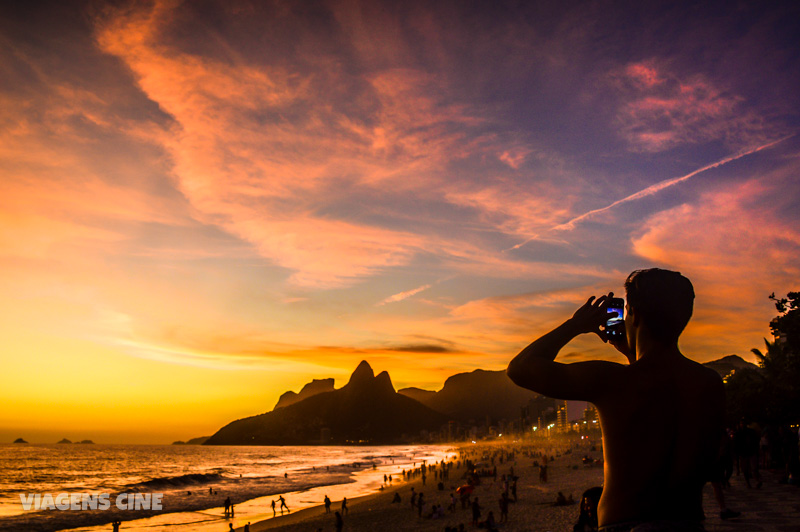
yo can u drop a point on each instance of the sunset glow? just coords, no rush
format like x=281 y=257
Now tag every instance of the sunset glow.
x=204 y=206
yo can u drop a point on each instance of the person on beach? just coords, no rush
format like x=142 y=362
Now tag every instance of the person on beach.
x=344 y=505
x=115 y=525
x=489 y=524
x=327 y=505
x=247 y=527
x=661 y=415
x=339 y=522
x=274 y=513
x=227 y=506
x=283 y=504
x=476 y=511
x=230 y=527
x=503 y=507
x=587 y=519
x=745 y=440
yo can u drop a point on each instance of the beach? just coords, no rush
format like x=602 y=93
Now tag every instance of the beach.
x=534 y=510
x=773 y=508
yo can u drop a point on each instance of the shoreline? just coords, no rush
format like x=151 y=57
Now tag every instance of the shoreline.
x=533 y=511
x=209 y=517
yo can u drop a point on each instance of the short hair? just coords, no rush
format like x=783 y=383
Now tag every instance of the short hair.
x=664 y=301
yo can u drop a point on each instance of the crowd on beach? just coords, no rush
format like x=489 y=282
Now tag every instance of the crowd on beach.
x=477 y=486
x=449 y=488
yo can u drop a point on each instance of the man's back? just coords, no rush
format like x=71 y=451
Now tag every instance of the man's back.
x=661 y=419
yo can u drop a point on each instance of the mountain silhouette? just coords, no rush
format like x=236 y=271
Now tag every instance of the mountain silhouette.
x=476 y=395
x=727 y=365
x=366 y=410
x=314 y=387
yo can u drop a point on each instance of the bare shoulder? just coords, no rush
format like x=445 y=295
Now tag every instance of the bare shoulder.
x=710 y=381
x=705 y=373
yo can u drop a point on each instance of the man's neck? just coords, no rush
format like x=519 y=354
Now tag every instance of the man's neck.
x=647 y=348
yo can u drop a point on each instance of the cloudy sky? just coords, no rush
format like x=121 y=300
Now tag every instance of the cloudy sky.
x=205 y=204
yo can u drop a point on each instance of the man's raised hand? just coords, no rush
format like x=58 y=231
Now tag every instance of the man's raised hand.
x=592 y=316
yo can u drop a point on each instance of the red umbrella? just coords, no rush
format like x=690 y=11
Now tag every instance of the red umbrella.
x=466 y=488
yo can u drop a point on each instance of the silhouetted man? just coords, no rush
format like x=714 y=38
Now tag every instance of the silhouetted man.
x=283 y=504
x=662 y=415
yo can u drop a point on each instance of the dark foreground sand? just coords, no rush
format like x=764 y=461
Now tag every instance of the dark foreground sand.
x=773 y=508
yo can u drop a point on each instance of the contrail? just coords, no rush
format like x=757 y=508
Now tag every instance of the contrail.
x=653 y=189
x=403 y=295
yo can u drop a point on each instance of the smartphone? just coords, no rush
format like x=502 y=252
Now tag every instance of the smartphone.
x=615 y=326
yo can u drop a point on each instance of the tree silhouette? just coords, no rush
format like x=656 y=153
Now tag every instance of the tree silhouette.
x=786 y=326
x=773 y=392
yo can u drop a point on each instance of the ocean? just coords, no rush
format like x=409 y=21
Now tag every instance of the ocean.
x=194 y=480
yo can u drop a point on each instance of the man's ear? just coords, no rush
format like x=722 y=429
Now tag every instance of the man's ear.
x=635 y=317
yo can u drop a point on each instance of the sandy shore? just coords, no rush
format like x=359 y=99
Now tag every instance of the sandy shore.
x=534 y=510
x=773 y=508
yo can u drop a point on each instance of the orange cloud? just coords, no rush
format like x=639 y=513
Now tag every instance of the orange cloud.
x=264 y=180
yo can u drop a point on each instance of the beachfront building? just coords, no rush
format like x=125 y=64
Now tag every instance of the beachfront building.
x=562 y=422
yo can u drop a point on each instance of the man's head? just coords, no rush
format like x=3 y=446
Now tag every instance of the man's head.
x=662 y=301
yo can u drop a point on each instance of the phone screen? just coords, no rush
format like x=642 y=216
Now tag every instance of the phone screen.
x=614 y=324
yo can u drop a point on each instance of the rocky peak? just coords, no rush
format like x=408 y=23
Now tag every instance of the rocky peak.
x=383 y=382
x=314 y=387
x=362 y=374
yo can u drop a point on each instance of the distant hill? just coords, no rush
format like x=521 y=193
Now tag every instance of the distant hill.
x=20 y=440
x=194 y=441
x=727 y=365
x=314 y=387
x=65 y=441
x=475 y=396
x=366 y=410
x=418 y=394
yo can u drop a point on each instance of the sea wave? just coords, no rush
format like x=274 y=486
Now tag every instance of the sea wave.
x=179 y=481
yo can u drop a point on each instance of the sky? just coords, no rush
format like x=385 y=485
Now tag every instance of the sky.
x=206 y=204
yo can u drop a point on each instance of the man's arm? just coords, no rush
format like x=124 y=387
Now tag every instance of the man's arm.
x=534 y=368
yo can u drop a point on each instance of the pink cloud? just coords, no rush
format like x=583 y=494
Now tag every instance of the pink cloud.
x=514 y=157
x=660 y=110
